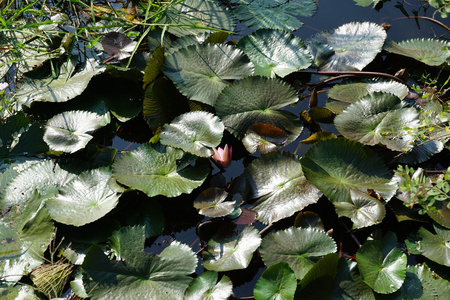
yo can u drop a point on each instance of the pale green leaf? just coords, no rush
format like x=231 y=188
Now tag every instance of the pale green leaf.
x=211 y=203
x=206 y=287
x=432 y=52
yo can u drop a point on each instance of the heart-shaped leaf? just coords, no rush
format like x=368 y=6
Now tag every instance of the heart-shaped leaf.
x=211 y=203
x=277 y=282
x=264 y=137
x=206 y=287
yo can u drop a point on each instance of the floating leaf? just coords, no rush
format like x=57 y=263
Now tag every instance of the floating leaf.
x=276 y=282
x=349 y=283
x=85 y=199
x=142 y=275
x=118 y=45
x=429 y=51
x=351 y=92
x=70 y=131
x=344 y=171
x=275 y=52
x=258 y=100
x=200 y=72
x=274 y=14
x=211 y=203
x=159 y=170
x=308 y=219
x=194 y=132
x=231 y=253
x=319 y=136
x=277 y=182
x=435 y=246
x=154 y=66
x=382 y=267
x=206 y=287
x=354 y=44
x=379 y=118
x=301 y=248
x=321 y=114
x=264 y=137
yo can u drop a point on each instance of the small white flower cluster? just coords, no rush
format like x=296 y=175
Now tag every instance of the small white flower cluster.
x=3 y=85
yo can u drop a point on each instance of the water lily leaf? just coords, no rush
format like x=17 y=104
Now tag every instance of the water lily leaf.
x=211 y=203
x=435 y=246
x=308 y=219
x=354 y=44
x=61 y=89
x=429 y=51
x=321 y=114
x=344 y=171
x=206 y=287
x=231 y=253
x=276 y=282
x=194 y=132
x=159 y=170
x=349 y=283
x=319 y=136
x=351 y=92
x=46 y=177
x=200 y=72
x=420 y=152
x=258 y=100
x=18 y=292
x=264 y=137
x=196 y=17
x=85 y=199
x=10 y=243
x=275 y=52
x=382 y=267
x=274 y=14
x=301 y=248
x=366 y=3
x=277 y=182
x=71 y=131
x=154 y=66
x=118 y=45
x=379 y=118
x=142 y=275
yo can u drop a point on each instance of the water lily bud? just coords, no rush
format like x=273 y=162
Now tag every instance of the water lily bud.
x=222 y=156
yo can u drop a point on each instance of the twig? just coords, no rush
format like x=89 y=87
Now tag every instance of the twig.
x=425 y=18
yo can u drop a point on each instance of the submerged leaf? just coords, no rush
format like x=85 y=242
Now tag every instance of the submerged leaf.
x=429 y=51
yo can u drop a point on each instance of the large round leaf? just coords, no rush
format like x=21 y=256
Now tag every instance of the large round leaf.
x=274 y=14
x=194 y=132
x=275 y=52
x=382 y=268
x=231 y=253
x=301 y=248
x=200 y=72
x=344 y=170
x=159 y=170
x=429 y=51
x=258 y=100
x=85 y=199
x=278 y=183
x=379 y=118
x=435 y=246
x=276 y=282
x=206 y=287
x=70 y=131
x=354 y=46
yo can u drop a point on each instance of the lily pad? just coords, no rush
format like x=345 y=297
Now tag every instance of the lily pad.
x=201 y=72
x=206 y=287
x=71 y=131
x=277 y=182
x=429 y=51
x=211 y=203
x=301 y=248
x=354 y=46
x=275 y=52
x=264 y=137
x=274 y=14
x=231 y=253
x=435 y=246
x=159 y=170
x=85 y=199
x=195 y=132
x=351 y=92
x=276 y=282
x=344 y=171
x=255 y=100
x=379 y=118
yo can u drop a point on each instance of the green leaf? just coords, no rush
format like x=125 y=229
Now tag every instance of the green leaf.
x=382 y=268
x=441 y=213
x=432 y=52
x=277 y=182
x=276 y=282
x=435 y=246
x=354 y=46
x=154 y=66
x=231 y=253
x=71 y=131
x=194 y=132
x=61 y=89
x=201 y=72
x=349 y=283
x=206 y=287
x=258 y=100
x=264 y=137
x=274 y=14
x=301 y=248
x=275 y=52
x=344 y=171
x=211 y=203
x=159 y=170
x=85 y=199
x=379 y=118
x=141 y=275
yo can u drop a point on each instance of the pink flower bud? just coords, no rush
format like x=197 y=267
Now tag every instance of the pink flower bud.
x=222 y=156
